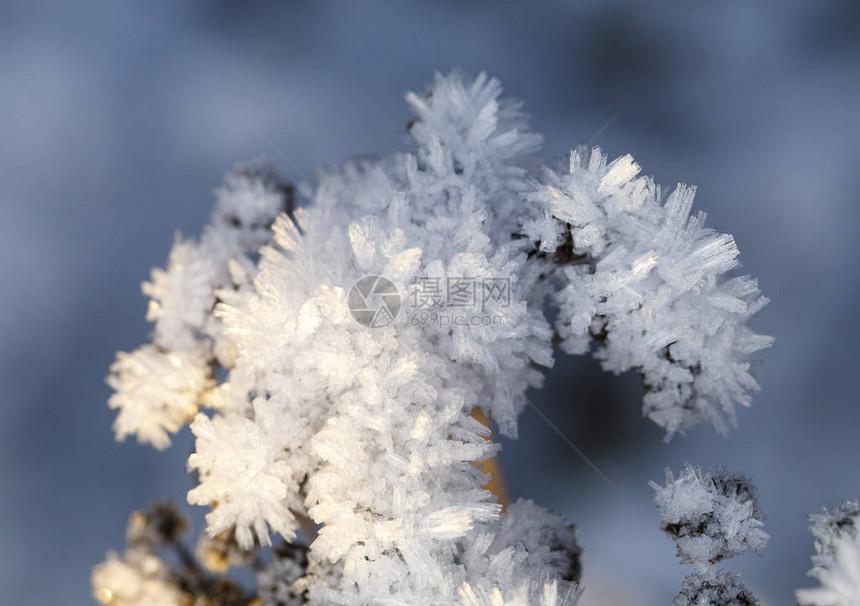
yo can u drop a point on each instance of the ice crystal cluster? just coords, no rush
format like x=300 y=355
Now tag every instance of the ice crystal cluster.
x=711 y=516
x=652 y=279
x=836 y=563
x=157 y=569
x=370 y=433
x=135 y=579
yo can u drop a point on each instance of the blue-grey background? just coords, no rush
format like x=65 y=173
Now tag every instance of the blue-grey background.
x=117 y=119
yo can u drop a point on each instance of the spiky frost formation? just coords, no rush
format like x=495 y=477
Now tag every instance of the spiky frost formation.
x=840 y=580
x=836 y=563
x=715 y=588
x=369 y=431
x=183 y=294
x=540 y=539
x=160 y=386
x=381 y=418
x=528 y=541
x=651 y=281
x=548 y=594
x=466 y=129
x=240 y=469
x=711 y=516
x=829 y=526
x=142 y=577
x=275 y=582
x=157 y=392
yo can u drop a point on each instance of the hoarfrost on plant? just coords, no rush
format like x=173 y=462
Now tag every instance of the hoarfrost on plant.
x=371 y=433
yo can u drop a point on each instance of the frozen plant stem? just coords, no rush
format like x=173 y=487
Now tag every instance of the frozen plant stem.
x=492 y=467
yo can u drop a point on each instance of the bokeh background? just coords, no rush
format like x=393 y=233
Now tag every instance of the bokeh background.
x=117 y=119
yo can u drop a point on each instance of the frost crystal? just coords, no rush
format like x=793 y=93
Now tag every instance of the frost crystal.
x=540 y=538
x=238 y=471
x=157 y=392
x=648 y=280
x=275 y=581
x=142 y=577
x=136 y=579
x=711 y=516
x=840 y=581
x=716 y=588
x=368 y=428
x=159 y=387
x=830 y=525
x=837 y=558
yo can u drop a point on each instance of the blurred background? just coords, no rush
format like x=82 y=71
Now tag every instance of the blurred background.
x=117 y=119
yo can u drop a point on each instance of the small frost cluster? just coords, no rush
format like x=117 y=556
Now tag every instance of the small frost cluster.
x=715 y=587
x=160 y=386
x=711 y=516
x=828 y=527
x=372 y=432
x=135 y=579
x=146 y=575
x=275 y=581
x=836 y=563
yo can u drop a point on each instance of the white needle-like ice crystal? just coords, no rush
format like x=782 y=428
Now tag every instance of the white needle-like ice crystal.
x=828 y=527
x=344 y=345
x=836 y=563
x=840 y=581
x=157 y=392
x=651 y=281
x=711 y=516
